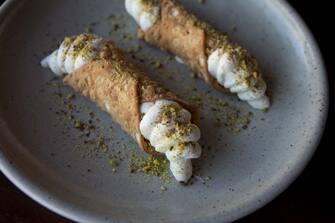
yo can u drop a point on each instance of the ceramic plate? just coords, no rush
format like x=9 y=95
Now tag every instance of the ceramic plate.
x=46 y=157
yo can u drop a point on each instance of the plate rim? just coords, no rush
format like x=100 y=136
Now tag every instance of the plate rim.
x=56 y=206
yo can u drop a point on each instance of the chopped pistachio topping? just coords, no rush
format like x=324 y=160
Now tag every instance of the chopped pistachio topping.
x=150 y=2
x=82 y=44
x=170 y=112
x=151 y=166
x=114 y=162
x=180 y=130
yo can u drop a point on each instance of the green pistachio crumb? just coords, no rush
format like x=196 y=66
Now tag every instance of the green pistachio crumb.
x=233 y=28
x=114 y=162
x=79 y=125
x=150 y=166
x=69 y=96
x=88 y=30
x=265 y=110
x=208 y=178
x=158 y=64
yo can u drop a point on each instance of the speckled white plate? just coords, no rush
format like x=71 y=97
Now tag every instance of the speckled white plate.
x=40 y=154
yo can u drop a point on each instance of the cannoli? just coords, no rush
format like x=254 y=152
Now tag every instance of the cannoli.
x=160 y=122
x=210 y=54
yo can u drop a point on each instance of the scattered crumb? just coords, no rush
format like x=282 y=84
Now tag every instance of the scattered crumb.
x=265 y=110
x=203 y=180
x=114 y=162
x=88 y=30
x=163 y=188
x=157 y=64
x=233 y=29
x=208 y=178
x=151 y=166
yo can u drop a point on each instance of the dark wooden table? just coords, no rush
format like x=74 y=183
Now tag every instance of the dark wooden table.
x=309 y=199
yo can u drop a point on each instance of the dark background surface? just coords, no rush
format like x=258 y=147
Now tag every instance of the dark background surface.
x=309 y=199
